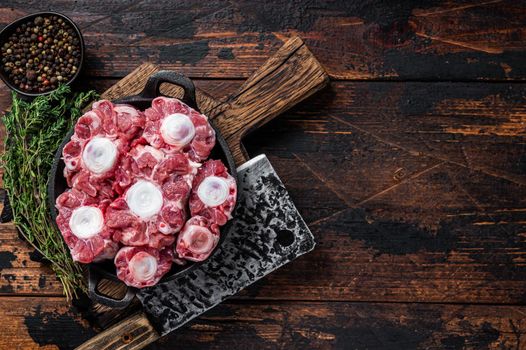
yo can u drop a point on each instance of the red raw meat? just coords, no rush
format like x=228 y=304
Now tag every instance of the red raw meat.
x=197 y=239
x=147 y=162
x=133 y=177
x=156 y=224
x=173 y=126
x=213 y=193
x=103 y=131
x=87 y=240
x=166 y=176
x=131 y=230
x=141 y=266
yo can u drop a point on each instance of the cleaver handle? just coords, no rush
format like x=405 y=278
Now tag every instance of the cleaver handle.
x=132 y=333
x=288 y=77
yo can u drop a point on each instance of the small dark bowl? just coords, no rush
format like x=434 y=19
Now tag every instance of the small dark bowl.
x=10 y=28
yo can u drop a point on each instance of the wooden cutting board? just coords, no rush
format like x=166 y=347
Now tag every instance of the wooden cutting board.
x=288 y=77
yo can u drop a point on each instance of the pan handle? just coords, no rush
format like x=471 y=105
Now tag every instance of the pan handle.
x=153 y=84
x=93 y=280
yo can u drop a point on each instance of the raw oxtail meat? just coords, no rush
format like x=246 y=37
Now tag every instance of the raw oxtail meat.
x=154 y=190
x=136 y=177
x=141 y=266
x=147 y=162
x=197 y=239
x=213 y=193
x=149 y=214
x=101 y=137
x=81 y=222
x=174 y=126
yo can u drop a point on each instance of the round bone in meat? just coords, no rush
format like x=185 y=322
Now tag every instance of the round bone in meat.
x=144 y=199
x=101 y=137
x=197 y=239
x=81 y=224
x=99 y=155
x=86 y=222
x=142 y=266
x=173 y=126
x=131 y=220
x=177 y=130
x=213 y=191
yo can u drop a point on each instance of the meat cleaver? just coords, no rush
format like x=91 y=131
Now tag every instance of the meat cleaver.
x=267 y=231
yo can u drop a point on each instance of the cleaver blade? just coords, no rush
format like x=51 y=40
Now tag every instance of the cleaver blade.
x=267 y=232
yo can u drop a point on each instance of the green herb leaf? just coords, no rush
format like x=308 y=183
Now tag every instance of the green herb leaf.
x=34 y=132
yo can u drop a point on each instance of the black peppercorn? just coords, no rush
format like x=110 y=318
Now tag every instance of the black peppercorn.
x=31 y=75
x=40 y=54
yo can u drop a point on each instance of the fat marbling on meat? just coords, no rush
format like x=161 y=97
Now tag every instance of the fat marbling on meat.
x=175 y=127
x=152 y=208
x=100 y=138
x=81 y=222
x=142 y=266
x=213 y=192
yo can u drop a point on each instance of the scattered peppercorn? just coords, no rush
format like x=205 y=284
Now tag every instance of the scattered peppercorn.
x=40 y=53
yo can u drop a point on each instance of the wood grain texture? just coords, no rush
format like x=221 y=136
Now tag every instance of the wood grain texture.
x=283 y=325
x=50 y=323
x=289 y=76
x=372 y=39
x=41 y=323
x=432 y=215
x=132 y=333
x=400 y=206
x=413 y=188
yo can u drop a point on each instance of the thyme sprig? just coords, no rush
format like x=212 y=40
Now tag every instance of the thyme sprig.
x=34 y=132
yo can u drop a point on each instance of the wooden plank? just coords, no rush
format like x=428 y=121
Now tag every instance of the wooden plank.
x=15 y=252
x=417 y=212
x=421 y=220
x=34 y=323
x=21 y=269
x=43 y=322
x=354 y=326
x=446 y=40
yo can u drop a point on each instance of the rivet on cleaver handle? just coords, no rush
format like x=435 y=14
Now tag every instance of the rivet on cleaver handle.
x=288 y=77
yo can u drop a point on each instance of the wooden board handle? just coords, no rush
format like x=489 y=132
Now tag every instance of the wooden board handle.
x=132 y=333
x=288 y=77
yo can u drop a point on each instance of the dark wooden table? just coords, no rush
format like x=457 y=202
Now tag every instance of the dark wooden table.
x=410 y=170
